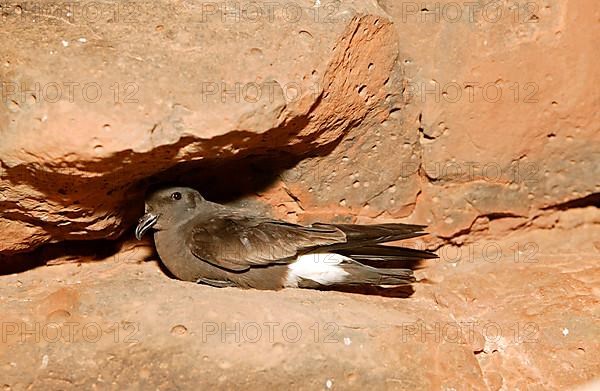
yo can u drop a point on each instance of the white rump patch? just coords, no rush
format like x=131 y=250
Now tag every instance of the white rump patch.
x=323 y=268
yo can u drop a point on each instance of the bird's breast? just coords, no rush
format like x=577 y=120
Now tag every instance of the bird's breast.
x=178 y=258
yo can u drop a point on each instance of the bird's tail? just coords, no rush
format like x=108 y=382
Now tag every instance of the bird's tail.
x=362 y=260
x=382 y=265
x=316 y=270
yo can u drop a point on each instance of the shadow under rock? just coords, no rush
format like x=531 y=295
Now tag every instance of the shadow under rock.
x=72 y=251
x=401 y=292
x=57 y=253
x=227 y=181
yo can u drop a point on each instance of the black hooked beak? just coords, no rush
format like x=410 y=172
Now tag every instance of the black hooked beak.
x=146 y=222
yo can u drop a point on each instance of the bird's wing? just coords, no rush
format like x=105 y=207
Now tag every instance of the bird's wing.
x=238 y=242
x=359 y=235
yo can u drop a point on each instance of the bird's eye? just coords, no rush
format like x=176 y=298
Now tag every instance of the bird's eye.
x=176 y=196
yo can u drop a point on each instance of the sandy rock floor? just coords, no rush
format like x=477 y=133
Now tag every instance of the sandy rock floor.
x=495 y=320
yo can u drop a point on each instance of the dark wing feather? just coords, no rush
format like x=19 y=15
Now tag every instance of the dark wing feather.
x=237 y=242
x=386 y=253
x=363 y=235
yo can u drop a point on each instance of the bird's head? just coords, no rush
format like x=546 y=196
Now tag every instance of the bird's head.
x=167 y=206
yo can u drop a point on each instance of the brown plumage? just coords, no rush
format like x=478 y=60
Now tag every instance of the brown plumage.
x=209 y=243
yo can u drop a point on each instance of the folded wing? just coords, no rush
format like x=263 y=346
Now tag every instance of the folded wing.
x=237 y=242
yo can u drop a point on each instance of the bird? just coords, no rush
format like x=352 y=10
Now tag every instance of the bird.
x=225 y=246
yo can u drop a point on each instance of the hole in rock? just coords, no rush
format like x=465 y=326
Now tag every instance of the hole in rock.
x=305 y=34
x=362 y=90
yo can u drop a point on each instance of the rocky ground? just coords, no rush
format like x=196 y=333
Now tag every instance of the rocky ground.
x=484 y=316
